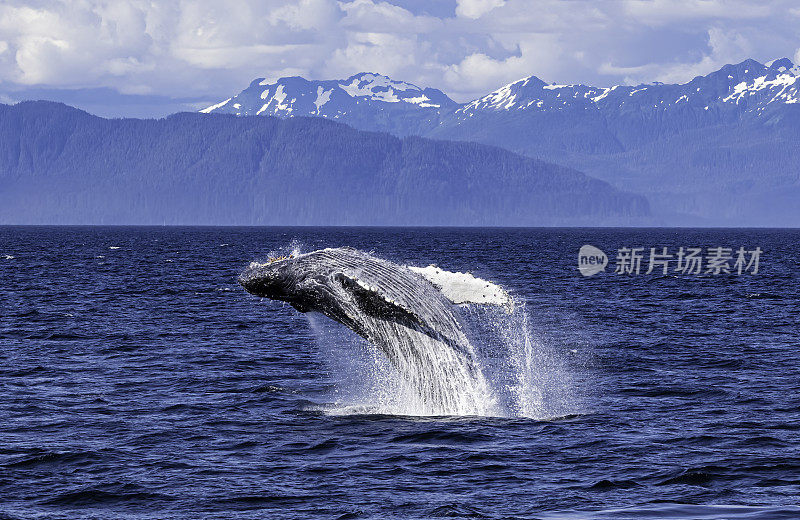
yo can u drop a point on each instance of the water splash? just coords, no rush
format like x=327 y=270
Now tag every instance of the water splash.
x=425 y=376
x=529 y=375
x=509 y=371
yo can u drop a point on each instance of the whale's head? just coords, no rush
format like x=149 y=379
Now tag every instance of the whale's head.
x=276 y=279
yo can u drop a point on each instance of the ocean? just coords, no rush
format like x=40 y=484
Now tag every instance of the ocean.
x=139 y=381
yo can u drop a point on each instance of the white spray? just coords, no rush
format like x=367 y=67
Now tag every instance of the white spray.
x=503 y=371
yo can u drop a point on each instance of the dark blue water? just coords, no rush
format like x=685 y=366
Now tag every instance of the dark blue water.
x=138 y=381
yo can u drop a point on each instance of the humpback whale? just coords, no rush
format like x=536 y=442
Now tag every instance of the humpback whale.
x=408 y=313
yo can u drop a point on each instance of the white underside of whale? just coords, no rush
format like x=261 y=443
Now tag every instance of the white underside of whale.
x=463 y=288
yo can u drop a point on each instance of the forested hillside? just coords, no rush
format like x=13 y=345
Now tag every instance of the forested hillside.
x=60 y=165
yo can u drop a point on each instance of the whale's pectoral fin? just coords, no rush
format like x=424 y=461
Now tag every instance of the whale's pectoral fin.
x=378 y=303
x=374 y=302
x=462 y=288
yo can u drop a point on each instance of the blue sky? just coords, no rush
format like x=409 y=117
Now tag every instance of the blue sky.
x=147 y=59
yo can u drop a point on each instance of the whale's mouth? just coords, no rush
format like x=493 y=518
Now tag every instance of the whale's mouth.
x=415 y=343
x=267 y=280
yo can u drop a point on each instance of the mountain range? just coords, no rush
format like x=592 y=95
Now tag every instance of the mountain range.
x=722 y=149
x=60 y=165
x=365 y=101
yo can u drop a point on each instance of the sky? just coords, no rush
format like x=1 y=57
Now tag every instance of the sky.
x=137 y=58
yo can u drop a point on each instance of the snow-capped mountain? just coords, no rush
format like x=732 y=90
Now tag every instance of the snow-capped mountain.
x=541 y=119
x=365 y=100
x=721 y=146
x=747 y=82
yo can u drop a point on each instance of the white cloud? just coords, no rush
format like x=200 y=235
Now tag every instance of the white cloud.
x=374 y=52
x=305 y=14
x=537 y=54
x=664 y=12
x=185 y=48
x=369 y=16
x=65 y=45
x=724 y=47
x=476 y=8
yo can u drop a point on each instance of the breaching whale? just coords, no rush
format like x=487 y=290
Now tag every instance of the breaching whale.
x=407 y=312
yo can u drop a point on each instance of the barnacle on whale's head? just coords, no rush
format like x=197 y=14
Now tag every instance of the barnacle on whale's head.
x=278 y=258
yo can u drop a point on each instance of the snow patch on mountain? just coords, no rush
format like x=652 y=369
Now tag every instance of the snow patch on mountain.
x=421 y=101
x=501 y=99
x=780 y=83
x=357 y=88
x=604 y=94
x=323 y=96
x=376 y=87
x=214 y=107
